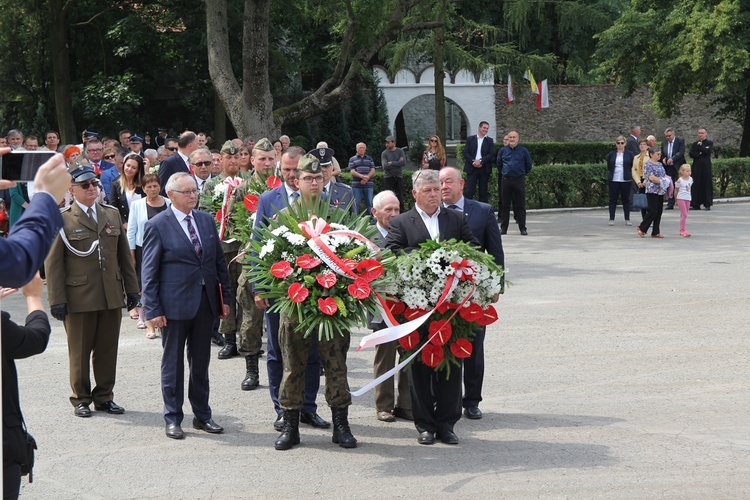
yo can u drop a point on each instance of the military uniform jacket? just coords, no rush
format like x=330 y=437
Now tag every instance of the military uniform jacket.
x=98 y=281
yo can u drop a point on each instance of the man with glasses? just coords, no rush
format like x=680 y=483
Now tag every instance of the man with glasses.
x=296 y=348
x=89 y=274
x=94 y=152
x=201 y=161
x=184 y=273
x=336 y=193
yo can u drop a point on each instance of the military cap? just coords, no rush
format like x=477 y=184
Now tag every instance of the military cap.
x=82 y=173
x=161 y=130
x=309 y=164
x=88 y=134
x=136 y=138
x=230 y=148
x=263 y=145
x=324 y=155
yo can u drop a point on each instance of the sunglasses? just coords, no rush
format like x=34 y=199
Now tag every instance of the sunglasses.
x=203 y=163
x=620 y=142
x=108 y=157
x=433 y=140
x=87 y=185
x=172 y=149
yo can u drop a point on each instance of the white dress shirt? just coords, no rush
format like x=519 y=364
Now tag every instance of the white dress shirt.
x=183 y=223
x=430 y=222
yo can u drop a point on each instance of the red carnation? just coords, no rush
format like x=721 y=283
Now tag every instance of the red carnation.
x=273 y=182
x=461 y=348
x=359 y=289
x=326 y=280
x=440 y=332
x=432 y=355
x=307 y=261
x=369 y=269
x=487 y=317
x=281 y=269
x=297 y=292
x=251 y=202
x=328 y=306
x=410 y=341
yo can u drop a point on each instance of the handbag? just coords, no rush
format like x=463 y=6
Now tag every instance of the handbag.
x=640 y=201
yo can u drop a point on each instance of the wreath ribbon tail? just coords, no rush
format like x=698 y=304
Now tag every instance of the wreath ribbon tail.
x=371 y=385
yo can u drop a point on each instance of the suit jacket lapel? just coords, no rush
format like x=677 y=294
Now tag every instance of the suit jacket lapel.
x=84 y=219
x=181 y=233
x=419 y=225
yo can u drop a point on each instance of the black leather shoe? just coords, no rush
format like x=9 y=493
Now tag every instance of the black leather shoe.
x=174 y=431
x=229 y=350
x=403 y=414
x=473 y=412
x=503 y=231
x=669 y=208
x=449 y=437
x=314 y=419
x=524 y=232
x=207 y=425
x=426 y=438
x=82 y=410
x=110 y=407
x=217 y=339
x=708 y=209
x=278 y=425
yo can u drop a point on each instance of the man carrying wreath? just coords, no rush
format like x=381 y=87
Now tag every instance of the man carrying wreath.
x=436 y=400
x=295 y=347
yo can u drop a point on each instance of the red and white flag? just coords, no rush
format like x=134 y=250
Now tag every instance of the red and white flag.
x=511 y=97
x=542 y=95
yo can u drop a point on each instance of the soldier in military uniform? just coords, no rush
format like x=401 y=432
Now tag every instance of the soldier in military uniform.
x=89 y=272
x=295 y=348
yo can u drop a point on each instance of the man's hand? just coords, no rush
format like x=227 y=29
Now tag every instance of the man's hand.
x=53 y=177
x=59 y=311
x=224 y=311
x=260 y=302
x=4 y=292
x=132 y=301
x=159 y=321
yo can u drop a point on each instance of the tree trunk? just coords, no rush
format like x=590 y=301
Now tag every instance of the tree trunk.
x=61 y=71
x=220 y=124
x=438 y=57
x=745 y=141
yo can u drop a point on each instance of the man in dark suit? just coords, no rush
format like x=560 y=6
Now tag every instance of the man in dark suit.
x=478 y=155
x=484 y=227
x=94 y=151
x=184 y=273
x=436 y=401
x=672 y=156
x=703 y=184
x=336 y=193
x=24 y=250
x=179 y=162
x=632 y=140
x=269 y=204
x=89 y=271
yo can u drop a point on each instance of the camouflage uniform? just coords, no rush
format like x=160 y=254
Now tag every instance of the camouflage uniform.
x=295 y=349
x=251 y=325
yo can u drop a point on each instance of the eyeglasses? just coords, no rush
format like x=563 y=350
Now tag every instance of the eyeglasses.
x=312 y=180
x=109 y=157
x=87 y=185
x=189 y=192
x=619 y=142
x=433 y=140
x=94 y=150
x=172 y=149
x=203 y=163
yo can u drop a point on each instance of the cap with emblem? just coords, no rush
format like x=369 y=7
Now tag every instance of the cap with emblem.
x=324 y=155
x=390 y=138
x=136 y=138
x=162 y=130
x=88 y=134
x=230 y=148
x=309 y=164
x=263 y=145
x=82 y=173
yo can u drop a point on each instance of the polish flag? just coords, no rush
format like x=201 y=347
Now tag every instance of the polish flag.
x=542 y=96
x=511 y=97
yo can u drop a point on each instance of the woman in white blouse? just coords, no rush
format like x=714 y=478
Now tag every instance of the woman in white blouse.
x=620 y=177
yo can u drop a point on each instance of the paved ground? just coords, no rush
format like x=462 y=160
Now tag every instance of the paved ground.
x=619 y=369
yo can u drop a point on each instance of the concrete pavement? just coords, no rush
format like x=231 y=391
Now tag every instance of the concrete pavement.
x=618 y=368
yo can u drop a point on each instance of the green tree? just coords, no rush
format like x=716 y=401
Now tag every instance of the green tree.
x=679 y=47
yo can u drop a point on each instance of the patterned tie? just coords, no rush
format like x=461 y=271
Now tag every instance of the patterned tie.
x=194 y=237
x=295 y=197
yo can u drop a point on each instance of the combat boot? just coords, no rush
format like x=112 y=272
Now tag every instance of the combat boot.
x=252 y=379
x=290 y=432
x=230 y=346
x=341 y=432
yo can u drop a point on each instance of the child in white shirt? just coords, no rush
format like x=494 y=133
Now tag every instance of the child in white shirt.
x=683 y=185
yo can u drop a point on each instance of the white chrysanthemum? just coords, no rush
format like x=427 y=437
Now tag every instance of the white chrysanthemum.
x=295 y=239
x=338 y=227
x=267 y=248
x=280 y=230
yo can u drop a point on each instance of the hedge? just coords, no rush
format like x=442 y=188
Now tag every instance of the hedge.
x=566 y=186
x=558 y=153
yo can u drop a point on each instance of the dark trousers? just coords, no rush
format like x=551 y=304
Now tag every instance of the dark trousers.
x=653 y=215
x=499 y=192
x=474 y=370
x=619 y=190
x=196 y=334
x=474 y=177
x=703 y=187
x=514 y=191
x=395 y=184
x=275 y=367
x=435 y=401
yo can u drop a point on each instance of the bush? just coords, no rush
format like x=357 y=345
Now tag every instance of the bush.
x=558 y=153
